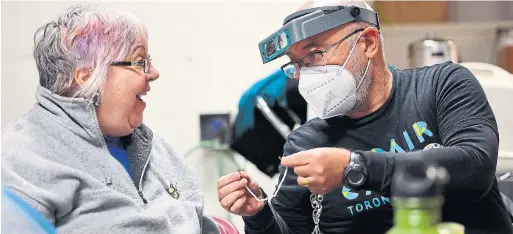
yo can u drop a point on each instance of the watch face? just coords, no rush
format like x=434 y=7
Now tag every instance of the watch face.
x=355 y=177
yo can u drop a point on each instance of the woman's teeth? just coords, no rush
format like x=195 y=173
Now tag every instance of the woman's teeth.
x=139 y=95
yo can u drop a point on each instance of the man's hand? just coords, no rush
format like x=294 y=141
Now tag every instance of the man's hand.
x=235 y=198
x=319 y=169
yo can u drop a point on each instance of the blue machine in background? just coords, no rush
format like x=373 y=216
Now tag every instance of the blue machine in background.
x=20 y=217
x=271 y=89
x=268 y=111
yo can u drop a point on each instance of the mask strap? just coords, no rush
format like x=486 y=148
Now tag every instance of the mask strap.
x=275 y=192
x=365 y=73
x=351 y=52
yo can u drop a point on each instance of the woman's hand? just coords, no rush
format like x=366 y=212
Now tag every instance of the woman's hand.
x=234 y=197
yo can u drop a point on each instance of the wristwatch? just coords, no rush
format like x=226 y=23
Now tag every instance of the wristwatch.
x=355 y=174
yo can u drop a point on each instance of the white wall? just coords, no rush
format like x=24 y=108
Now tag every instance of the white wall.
x=206 y=52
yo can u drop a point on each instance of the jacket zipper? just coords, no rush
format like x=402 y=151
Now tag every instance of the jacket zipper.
x=141 y=179
x=104 y=145
x=142 y=196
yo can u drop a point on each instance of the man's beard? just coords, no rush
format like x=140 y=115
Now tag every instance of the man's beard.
x=363 y=90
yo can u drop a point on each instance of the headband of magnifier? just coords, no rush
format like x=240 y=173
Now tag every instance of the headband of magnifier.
x=306 y=23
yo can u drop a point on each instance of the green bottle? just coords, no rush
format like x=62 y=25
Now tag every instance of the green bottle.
x=417 y=191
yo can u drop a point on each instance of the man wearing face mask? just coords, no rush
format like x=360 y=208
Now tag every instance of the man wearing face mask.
x=340 y=165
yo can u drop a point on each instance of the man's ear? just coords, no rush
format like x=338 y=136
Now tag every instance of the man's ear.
x=81 y=75
x=371 y=37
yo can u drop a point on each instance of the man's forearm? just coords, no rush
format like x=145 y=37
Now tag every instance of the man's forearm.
x=471 y=172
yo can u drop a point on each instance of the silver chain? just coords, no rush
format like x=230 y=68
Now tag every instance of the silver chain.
x=316 y=200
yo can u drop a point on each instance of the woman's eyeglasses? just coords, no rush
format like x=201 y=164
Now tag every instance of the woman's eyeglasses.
x=144 y=63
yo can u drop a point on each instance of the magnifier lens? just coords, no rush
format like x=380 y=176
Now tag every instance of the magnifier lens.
x=282 y=41
x=270 y=48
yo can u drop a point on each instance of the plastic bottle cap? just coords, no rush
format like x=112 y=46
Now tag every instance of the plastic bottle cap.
x=451 y=228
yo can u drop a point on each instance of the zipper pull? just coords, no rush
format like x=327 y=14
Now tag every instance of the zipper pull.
x=142 y=197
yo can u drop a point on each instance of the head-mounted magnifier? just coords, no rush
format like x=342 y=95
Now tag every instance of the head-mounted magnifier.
x=306 y=23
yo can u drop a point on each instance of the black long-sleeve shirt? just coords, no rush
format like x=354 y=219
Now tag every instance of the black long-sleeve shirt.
x=442 y=104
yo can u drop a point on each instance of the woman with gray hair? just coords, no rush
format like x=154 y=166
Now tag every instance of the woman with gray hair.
x=81 y=156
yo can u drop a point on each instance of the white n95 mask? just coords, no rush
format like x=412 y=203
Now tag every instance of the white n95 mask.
x=331 y=92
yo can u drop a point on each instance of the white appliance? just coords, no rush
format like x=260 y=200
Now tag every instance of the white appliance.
x=497 y=84
x=431 y=50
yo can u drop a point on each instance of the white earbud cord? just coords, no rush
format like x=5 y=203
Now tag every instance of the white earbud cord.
x=275 y=192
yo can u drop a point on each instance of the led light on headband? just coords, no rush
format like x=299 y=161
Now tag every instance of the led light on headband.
x=306 y=23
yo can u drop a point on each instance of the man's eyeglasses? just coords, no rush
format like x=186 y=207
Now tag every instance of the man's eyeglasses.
x=144 y=63
x=313 y=59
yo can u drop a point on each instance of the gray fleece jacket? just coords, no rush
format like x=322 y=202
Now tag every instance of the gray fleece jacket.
x=55 y=158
